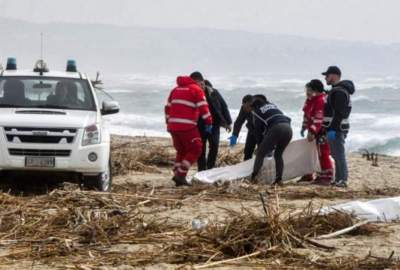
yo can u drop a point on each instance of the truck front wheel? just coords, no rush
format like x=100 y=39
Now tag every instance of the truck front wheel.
x=101 y=182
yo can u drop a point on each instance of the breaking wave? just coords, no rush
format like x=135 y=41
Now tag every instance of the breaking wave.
x=374 y=122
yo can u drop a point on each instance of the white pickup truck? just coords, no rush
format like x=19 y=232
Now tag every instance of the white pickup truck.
x=51 y=122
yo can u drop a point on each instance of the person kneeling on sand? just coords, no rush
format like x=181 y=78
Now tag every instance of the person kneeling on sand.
x=273 y=133
x=186 y=103
x=312 y=123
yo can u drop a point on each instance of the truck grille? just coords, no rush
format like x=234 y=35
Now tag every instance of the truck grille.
x=40 y=135
x=39 y=153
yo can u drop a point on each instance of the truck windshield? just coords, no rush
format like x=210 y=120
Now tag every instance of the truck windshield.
x=46 y=92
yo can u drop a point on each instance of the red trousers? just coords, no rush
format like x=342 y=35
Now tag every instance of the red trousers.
x=324 y=152
x=188 y=146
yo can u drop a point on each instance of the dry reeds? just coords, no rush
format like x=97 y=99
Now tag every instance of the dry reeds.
x=299 y=192
x=139 y=155
x=229 y=156
x=86 y=227
x=93 y=229
x=65 y=224
x=276 y=234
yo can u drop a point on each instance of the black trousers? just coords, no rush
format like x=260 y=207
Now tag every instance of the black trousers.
x=250 y=146
x=278 y=138
x=208 y=162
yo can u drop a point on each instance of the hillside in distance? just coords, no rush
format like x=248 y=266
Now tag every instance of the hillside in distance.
x=160 y=50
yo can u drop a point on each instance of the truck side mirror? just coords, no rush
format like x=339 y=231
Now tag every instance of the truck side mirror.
x=110 y=107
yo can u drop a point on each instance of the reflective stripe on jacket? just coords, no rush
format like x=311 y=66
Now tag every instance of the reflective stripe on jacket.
x=186 y=104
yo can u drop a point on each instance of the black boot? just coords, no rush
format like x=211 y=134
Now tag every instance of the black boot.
x=253 y=178
x=277 y=182
x=175 y=180
x=180 y=181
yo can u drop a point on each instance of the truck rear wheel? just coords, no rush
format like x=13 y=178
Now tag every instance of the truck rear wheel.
x=101 y=182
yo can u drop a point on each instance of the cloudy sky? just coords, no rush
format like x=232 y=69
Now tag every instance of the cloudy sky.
x=366 y=20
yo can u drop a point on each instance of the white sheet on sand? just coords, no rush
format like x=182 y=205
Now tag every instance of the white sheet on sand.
x=300 y=157
x=381 y=210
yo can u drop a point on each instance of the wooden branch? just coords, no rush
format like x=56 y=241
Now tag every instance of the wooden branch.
x=344 y=231
x=264 y=206
x=227 y=261
x=314 y=243
x=143 y=202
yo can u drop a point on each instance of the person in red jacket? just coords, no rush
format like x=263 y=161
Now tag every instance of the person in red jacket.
x=186 y=104
x=313 y=119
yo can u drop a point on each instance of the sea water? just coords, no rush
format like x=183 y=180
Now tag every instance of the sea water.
x=375 y=121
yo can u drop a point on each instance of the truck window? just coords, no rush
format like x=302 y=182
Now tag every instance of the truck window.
x=46 y=92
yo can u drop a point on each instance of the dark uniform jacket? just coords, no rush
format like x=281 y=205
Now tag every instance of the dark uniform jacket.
x=243 y=117
x=338 y=107
x=265 y=117
x=218 y=109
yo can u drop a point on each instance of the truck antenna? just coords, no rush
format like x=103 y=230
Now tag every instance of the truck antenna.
x=97 y=84
x=40 y=65
x=41 y=46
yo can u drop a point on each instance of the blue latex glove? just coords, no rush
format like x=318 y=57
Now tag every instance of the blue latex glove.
x=233 y=140
x=331 y=135
x=209 y=129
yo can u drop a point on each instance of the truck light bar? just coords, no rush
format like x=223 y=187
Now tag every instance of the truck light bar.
x=71 y=66
x=11 y=63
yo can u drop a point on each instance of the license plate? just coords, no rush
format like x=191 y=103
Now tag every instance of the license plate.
x=40 y=162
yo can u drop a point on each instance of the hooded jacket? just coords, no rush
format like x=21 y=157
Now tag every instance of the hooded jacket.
x=186 y=104
x=314 y=114
x=338 y=107
x=218 y=109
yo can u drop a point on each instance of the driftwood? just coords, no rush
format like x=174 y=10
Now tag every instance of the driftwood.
x=370 y=156
x=208 y=265
x=343 y=231
x=73 y=227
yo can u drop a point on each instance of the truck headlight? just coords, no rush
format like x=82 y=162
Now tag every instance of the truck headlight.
x=91 y=135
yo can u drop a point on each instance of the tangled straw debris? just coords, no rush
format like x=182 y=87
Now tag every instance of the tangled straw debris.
x=275 y=235
x=91 y=228
x=138 y=154
x=145 y=155
x=228 y=156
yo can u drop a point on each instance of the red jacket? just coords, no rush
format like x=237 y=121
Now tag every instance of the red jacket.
x=186 y=103
x=314 y=114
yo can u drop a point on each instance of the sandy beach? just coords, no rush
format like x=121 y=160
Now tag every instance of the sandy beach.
x=58 y=226
x=95 y=94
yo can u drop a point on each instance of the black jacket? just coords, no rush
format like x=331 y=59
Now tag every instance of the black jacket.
x=243 y=117
x=265 y=117
x=338 y=106
x=218 y=109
